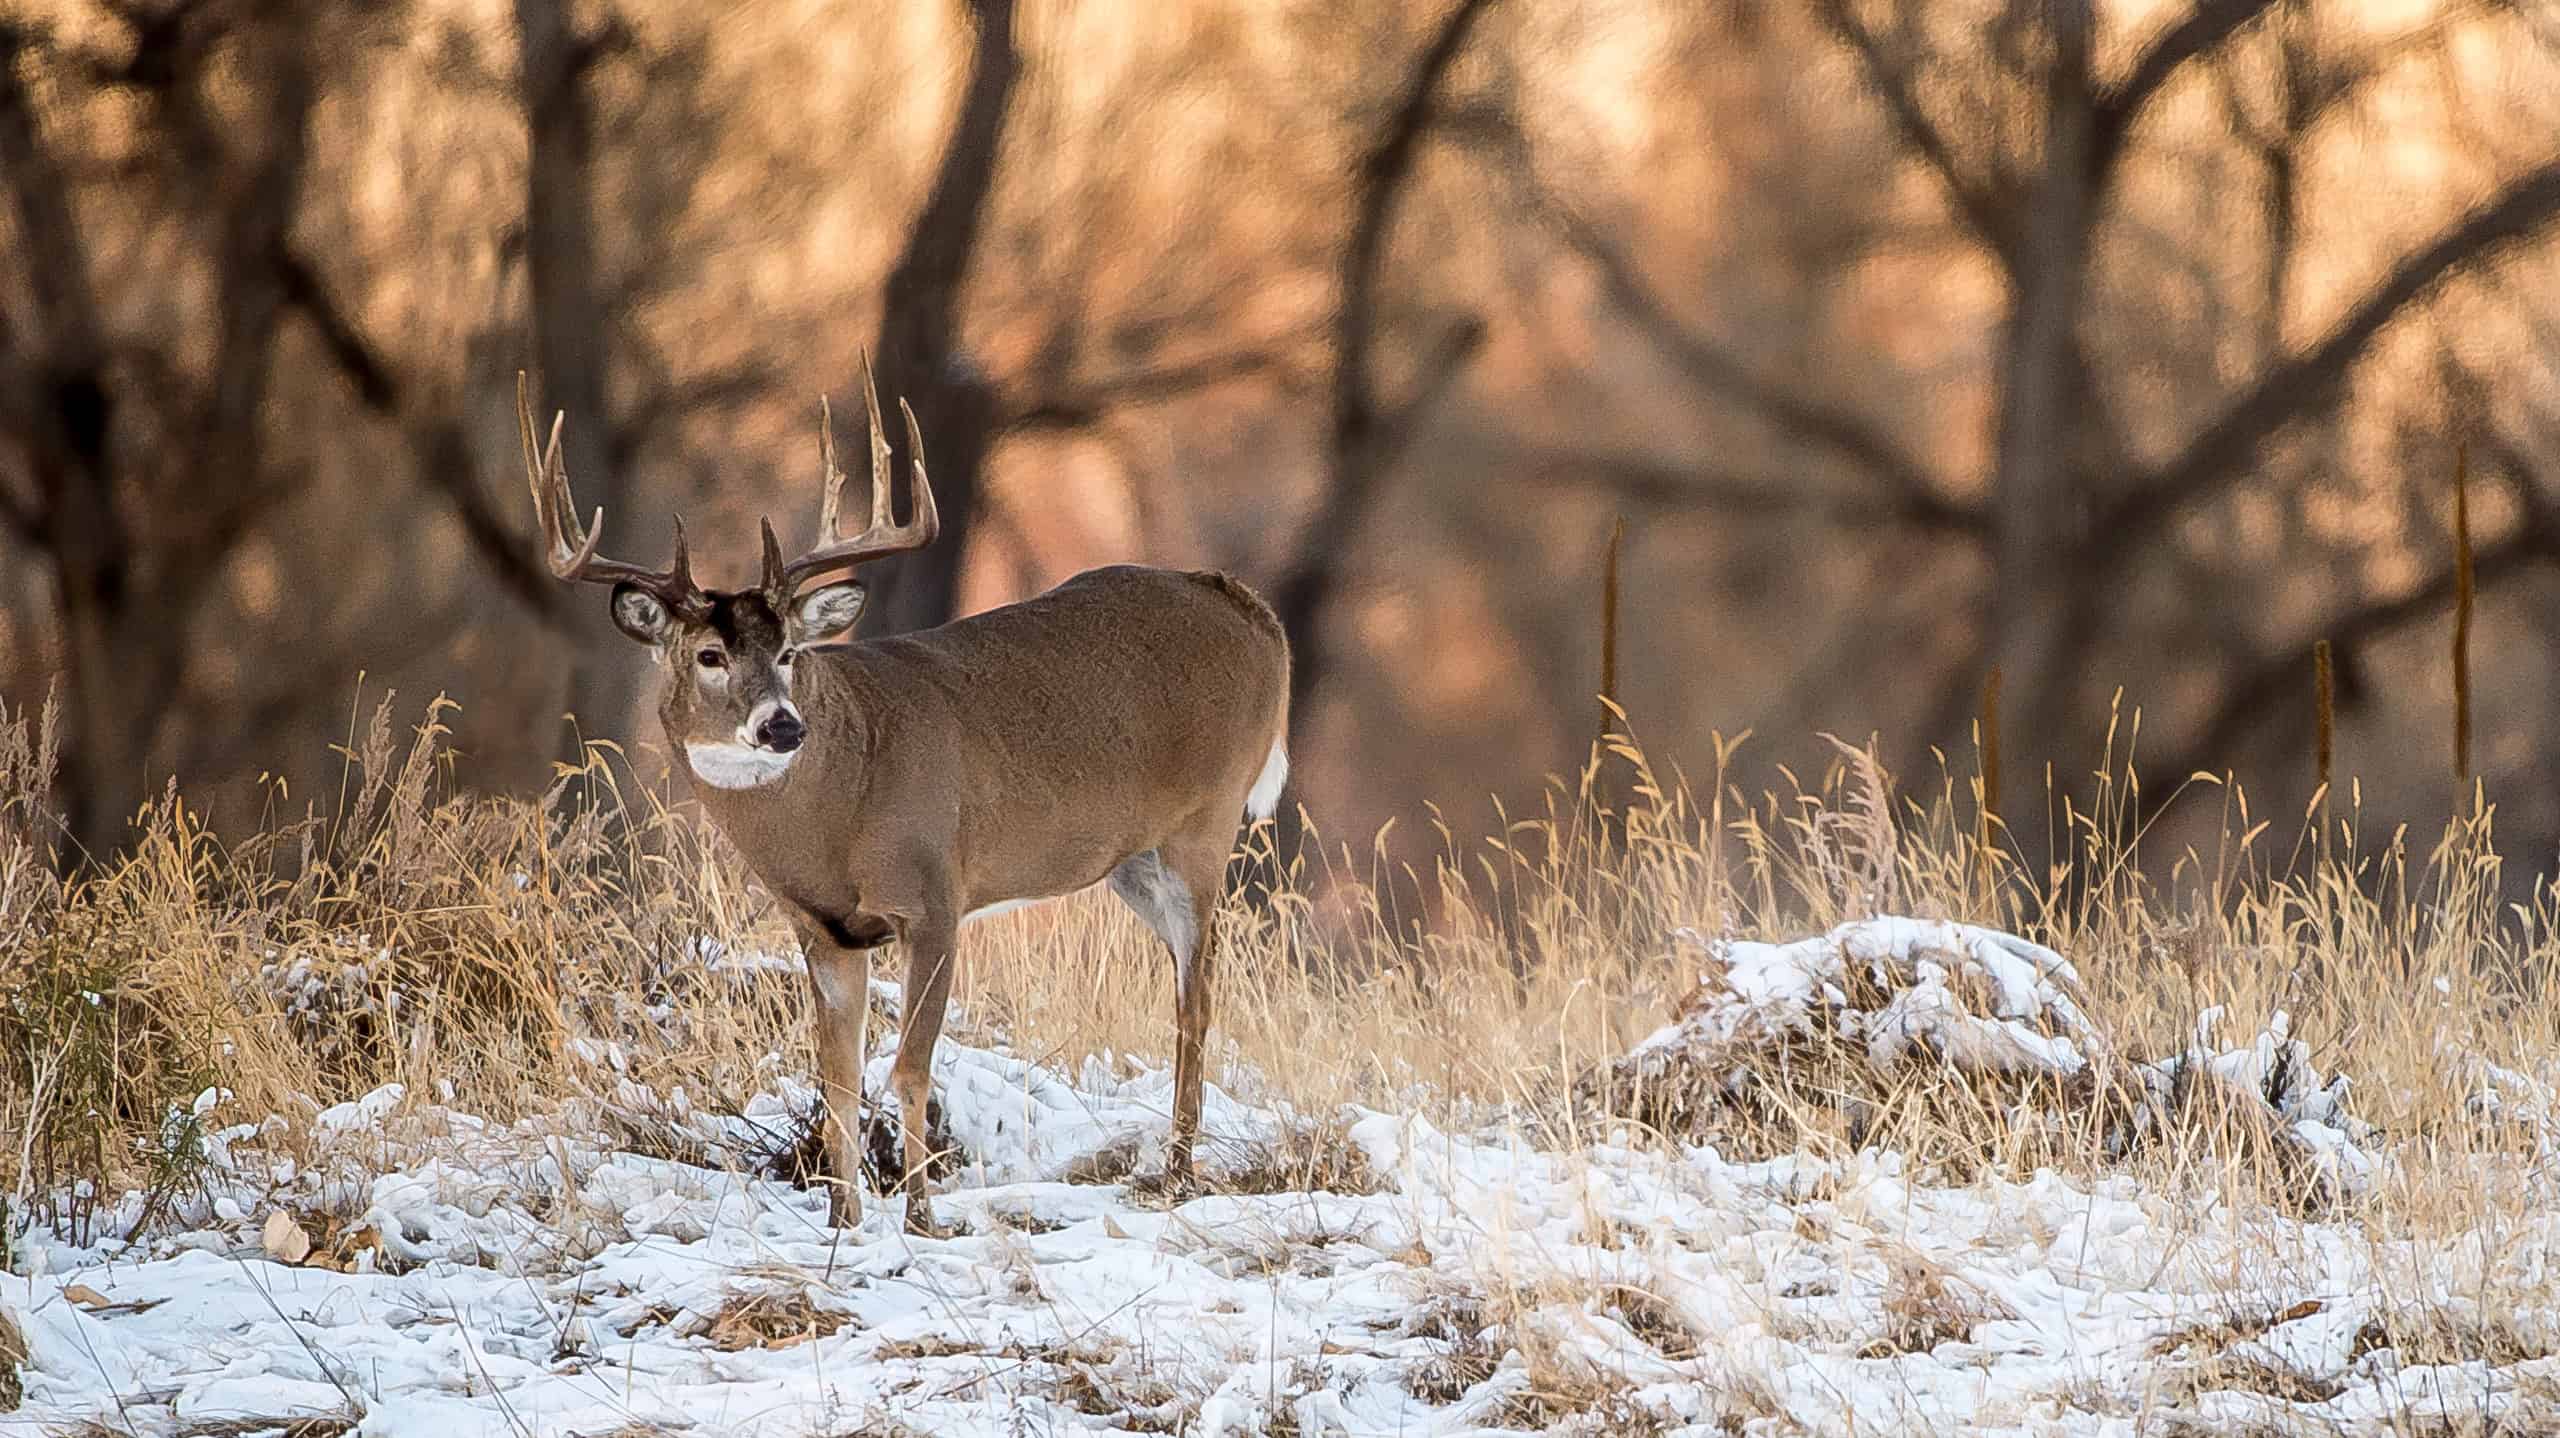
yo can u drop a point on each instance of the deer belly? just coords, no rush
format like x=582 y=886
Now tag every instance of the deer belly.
x=1002 y=906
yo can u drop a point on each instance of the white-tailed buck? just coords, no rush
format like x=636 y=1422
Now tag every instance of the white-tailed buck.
x=1116 y=727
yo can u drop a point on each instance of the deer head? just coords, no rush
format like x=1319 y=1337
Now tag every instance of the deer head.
x=729 y=655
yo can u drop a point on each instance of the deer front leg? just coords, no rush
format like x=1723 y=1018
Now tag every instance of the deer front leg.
x=840 y=987
x=932 y=944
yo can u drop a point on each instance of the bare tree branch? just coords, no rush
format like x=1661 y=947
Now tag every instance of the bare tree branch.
x=168 y=44
x=919 y=356
x=1086 y=403
x=444 y=462
x=17 y=510
x=64 y=304
x=572 y=336
x=2202 y=31
x=1437 y=373
x=1669 y=485
x=1976 y=201
x=678 y=400
x=63 y=393
x=1382 y=186
x=1364 y=437
x=2262 y=687
x=249 y=313
x=2292 y=388
x=354 y=356
x=1844 y=434
x=443 y=456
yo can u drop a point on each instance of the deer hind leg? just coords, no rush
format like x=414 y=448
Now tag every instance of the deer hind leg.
x=1178 y=898
x=931 y=953
x=840 y=987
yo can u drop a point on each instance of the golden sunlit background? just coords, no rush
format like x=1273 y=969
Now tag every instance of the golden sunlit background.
x=2128 y=348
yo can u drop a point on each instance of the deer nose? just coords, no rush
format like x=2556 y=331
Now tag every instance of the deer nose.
x=781 y=731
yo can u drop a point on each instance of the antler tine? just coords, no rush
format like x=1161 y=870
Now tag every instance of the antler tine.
x=927 y=522
x=776 y=580
x=679 y=571
x=832 y=494
x=884 y=536
x=569 y=550
x=880 y=472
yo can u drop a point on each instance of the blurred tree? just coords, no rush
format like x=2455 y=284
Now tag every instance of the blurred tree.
x=150 y=457
x=144 y=472
x=2075 y=507
x=919 y=355
x=572 y=345
x=2067 y=169
x=1888 y=383
x=1367 y=432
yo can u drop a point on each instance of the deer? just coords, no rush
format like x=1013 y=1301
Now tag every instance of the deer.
x=1117 y=728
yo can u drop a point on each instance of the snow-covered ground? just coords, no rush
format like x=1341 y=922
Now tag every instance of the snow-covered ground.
x=510 y=1281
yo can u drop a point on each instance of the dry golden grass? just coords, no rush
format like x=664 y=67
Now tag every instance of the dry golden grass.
x=501 y=959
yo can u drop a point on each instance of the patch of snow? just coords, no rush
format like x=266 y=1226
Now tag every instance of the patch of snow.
x=515 y=1280
x=722 y=958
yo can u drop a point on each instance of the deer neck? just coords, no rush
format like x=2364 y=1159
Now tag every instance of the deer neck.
x=836 y=703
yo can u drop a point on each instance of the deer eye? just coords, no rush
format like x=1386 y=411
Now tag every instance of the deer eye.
x=785 y=657
x=712 y=659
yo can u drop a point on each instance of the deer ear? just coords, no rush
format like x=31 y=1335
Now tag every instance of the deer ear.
x=640 y=614
x=827 y=613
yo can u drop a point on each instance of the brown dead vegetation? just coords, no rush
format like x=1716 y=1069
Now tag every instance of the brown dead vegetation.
x=771 y=1318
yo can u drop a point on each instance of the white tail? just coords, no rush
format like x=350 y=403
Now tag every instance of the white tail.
x=1263 y=800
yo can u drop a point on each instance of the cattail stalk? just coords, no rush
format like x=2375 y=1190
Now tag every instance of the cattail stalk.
x=2324 y=698
x=1604 y=796
x=1609 y=633
x=1990 y=738
x=2462 y=600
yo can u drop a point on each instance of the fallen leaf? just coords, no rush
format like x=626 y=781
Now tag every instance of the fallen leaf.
x=284 y=1239
x=90 y=1300
x=349 y=1246
x=1112 y=1228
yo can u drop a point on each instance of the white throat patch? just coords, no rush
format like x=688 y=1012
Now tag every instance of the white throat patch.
x=736 y=766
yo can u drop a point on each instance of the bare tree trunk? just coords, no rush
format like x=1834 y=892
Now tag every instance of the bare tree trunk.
x=571 y=345
x=1365 y=434
x=2037 y=595
x=123 y=615
x=71 y=415
x=919 y=355
x=102 y=772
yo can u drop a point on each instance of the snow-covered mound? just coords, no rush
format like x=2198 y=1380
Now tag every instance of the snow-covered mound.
x=479 y=1279
x=1847 y=1019
x=1973 y=998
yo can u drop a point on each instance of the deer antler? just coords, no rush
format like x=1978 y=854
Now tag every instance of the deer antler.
x=835 y=551
x=571 y=551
